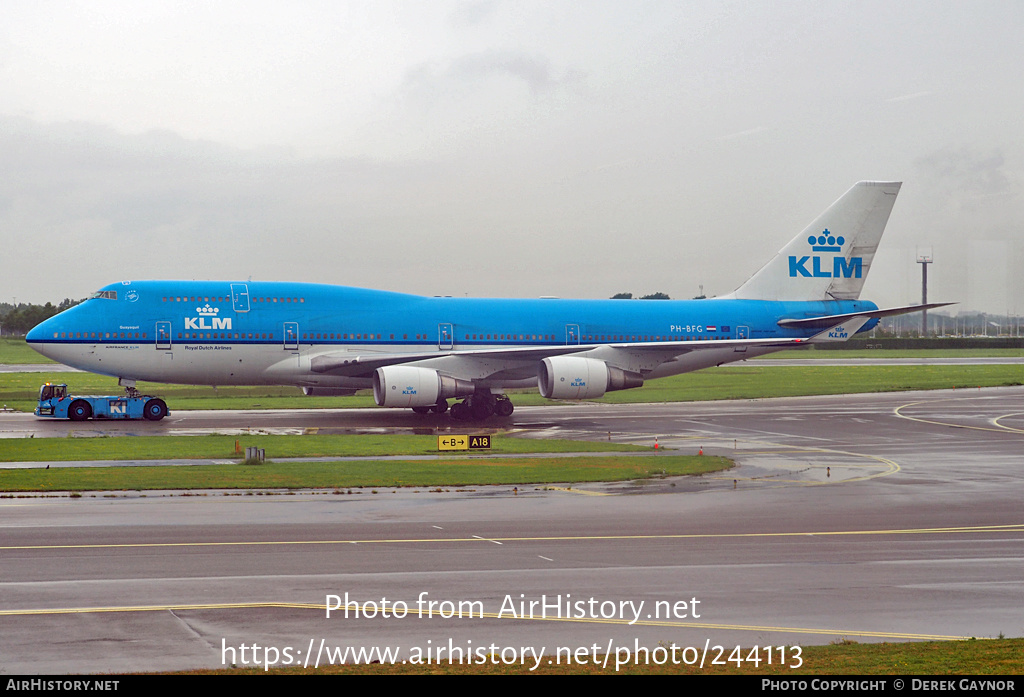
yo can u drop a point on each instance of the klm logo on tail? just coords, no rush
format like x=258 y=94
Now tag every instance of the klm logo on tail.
x=841 y=267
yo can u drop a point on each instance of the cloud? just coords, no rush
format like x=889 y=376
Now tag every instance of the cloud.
x=743 y=134
x=535 y=71
x=963 y=177
x=475 y=69
x=908 y=97
x=471 y=14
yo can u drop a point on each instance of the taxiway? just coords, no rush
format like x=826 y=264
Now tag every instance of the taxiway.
x=871 y=517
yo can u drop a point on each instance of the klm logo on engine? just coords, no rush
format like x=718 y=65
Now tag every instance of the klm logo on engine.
x=208 y=319
x=410 y=390
x=819 y=265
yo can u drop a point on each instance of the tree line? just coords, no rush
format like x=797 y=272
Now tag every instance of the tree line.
x=652 y=296
x=16 y=320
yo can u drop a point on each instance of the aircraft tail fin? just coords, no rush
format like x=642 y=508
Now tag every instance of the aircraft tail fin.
x=831 y=258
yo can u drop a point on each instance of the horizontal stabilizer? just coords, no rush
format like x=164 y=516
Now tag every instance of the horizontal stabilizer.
x=840 y=332
x=829 y=321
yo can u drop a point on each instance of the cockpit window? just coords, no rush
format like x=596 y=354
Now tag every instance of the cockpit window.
x=105 y=294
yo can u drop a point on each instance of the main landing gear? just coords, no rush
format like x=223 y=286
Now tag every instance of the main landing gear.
x=479 y=407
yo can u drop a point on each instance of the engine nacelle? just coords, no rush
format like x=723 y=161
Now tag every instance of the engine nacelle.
x=575 y=377
x=409 y=386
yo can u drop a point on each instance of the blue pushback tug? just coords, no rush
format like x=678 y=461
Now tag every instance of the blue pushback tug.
x=55 y=402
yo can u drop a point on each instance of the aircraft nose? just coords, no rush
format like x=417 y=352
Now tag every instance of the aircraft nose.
x=36 y=333
x=36 y=337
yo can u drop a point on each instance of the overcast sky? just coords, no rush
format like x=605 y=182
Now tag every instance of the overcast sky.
x=504 y=149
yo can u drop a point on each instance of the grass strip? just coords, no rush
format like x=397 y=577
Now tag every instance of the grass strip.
x=749 y=381
x=842 y=354
x=757 y=382
x=286 y=446
x=446 y=472
x=14 y=351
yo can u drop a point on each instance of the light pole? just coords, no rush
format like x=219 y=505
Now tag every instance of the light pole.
x=924 y=260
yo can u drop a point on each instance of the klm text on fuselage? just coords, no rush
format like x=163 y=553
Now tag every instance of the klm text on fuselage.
x=208 y=323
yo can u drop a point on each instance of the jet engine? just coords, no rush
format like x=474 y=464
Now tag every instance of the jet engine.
x=409 y=386
x=575 y=377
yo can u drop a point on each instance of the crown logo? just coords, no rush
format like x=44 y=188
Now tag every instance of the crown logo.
x=208 y=311
x=826 y=242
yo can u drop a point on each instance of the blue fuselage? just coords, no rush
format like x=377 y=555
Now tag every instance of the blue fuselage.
x=210 y=332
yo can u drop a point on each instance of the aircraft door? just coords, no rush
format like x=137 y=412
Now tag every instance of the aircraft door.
x=445 y=336
x=240 y=297
x=572 y=334
x=163 y=336
x=742 y=333
x=291 y=336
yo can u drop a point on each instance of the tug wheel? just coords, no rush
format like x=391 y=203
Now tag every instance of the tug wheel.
x=155 y=409
x=79 y=410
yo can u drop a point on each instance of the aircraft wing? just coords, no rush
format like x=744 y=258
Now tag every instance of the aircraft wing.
x=353 y=364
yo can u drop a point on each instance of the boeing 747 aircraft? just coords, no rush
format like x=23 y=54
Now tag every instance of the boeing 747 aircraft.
x=419 y=352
